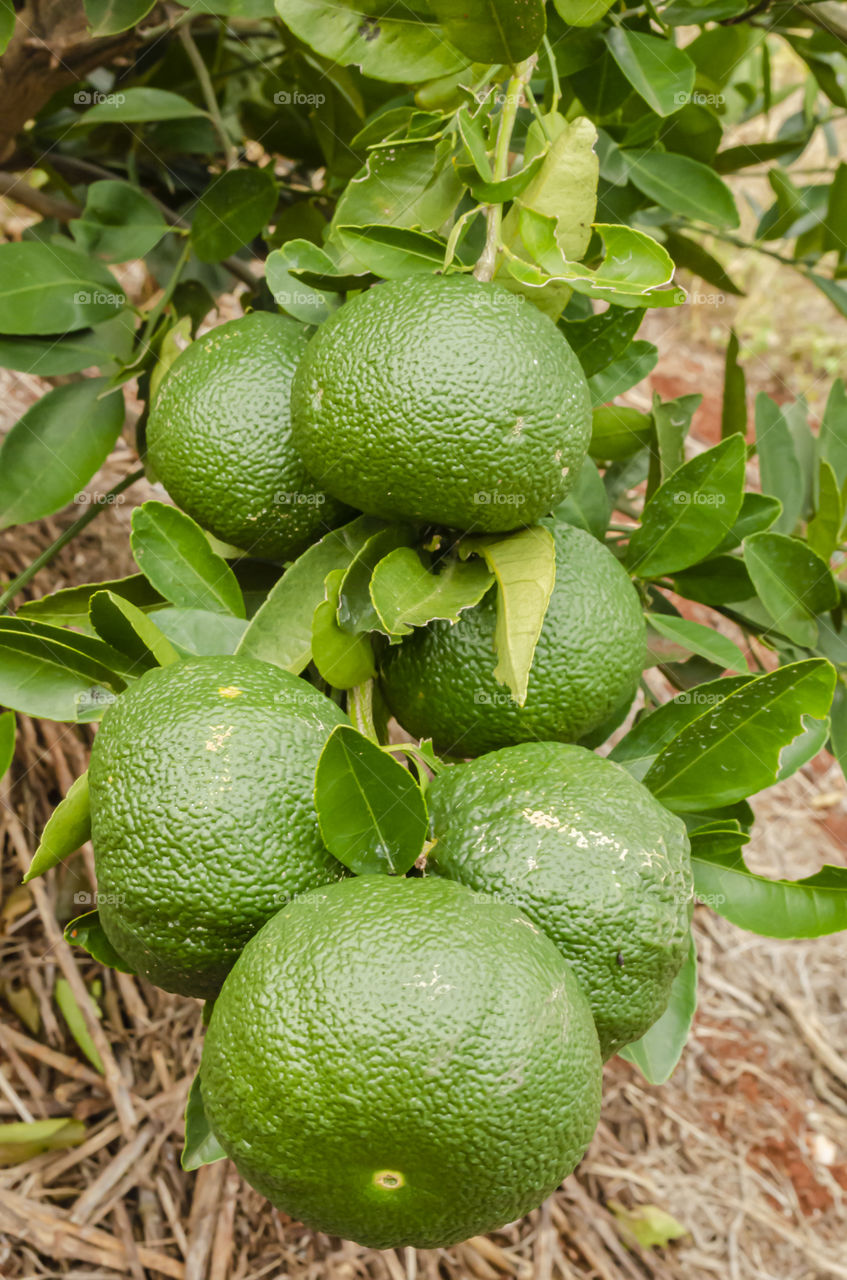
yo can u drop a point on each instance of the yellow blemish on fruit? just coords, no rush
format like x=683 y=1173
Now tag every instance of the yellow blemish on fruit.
x=389 y=1180
x=230 y=691
x=220 y=733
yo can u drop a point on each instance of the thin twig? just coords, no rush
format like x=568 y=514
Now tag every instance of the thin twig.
x=208 y=89
x=91 y=512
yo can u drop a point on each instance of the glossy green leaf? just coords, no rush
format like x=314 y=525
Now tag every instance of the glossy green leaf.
x=672 y=421
x=660 y=1049
x=356 y=610
x=587 y=504
x=515 y=185
x=630 y=368
x=699 y=639
x=832 y=440
x=392 y=252
x=383 y=44
x=619 y=432
x=779 y=465
x=758 y=512
x=413 y=186
x=792 y=582
x=118 y=223
x=7 y=740
x=51 y=288
x=344 y=660
x=121 y=624
x=824 y=530
x=68 y=828
x=690 y=254
x=495 y=31
x=174 y=555
x=734 y=749
x=55 y=448
x=87 y=932
x=582 y=13
x=689 y=515
x=109 y=17
x=808 y=908
x=371 y=812
x=140 y=106
x=734 y=405
x=232 y=210
x=599 y=340
x=69 y=607
x=305 y=302
x=406 y=594
x=175 y=341
x=524 y=564
x=107 y=345
x=43 y=677
x=651 y=733
x=683 y=186
x=201 y=1146
x=659 y=73
x=281 y=631
x=199 y=631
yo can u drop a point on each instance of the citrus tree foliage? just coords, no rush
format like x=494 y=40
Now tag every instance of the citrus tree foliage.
x=576 y=154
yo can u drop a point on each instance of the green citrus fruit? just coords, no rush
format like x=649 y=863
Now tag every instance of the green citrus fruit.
x=402 y=1062
x=591 y=858
x=442 y=400
x=203 y=822
x=439 y=681
x=219 y=439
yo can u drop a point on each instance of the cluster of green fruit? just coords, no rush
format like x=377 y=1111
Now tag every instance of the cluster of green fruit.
x=396 y=1059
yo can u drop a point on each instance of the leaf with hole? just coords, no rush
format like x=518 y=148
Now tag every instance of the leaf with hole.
x=385 y=45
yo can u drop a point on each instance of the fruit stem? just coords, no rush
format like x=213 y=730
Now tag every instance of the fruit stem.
x=360 y=709
x=93 y=509
x=487 y=264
